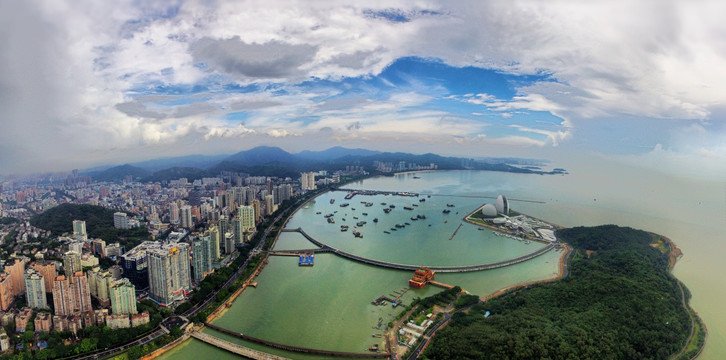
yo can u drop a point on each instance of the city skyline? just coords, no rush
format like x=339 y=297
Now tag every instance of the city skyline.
x=88 y=84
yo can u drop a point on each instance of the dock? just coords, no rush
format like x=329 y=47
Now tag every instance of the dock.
x=455 y=231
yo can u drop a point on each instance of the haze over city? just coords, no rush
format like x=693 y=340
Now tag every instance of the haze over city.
x=88 y=83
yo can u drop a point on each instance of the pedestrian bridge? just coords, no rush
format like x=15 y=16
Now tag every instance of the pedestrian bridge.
x=443 y=269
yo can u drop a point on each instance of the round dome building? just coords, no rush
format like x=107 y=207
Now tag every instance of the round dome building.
x=489 y=210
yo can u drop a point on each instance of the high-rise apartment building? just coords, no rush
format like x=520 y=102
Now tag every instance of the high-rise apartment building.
x=237 y=230
x=71 y=263
x=173 y=213
x=186 y=217
x=202 y=256
x=123 y=297
x=213 y=234
x=169 y=272
x=6 y=291
x=99 y=283
x=270 y=206
x=47 y=269
x=120 y=221
x=99 y=247
x=307 y=181
x=35 y=289
x=79 y=230
x=258 y=209
x=247 y=217
x=71 y=296
x=16 y=269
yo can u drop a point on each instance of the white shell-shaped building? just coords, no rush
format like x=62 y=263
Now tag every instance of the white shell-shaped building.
x=489 y=210
x=502 y=205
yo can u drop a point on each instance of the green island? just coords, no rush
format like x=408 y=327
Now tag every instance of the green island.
x=618 y=302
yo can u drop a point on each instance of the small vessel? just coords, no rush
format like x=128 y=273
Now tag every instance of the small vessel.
x=422 y=217
x=375 y=220
x=407 y=223
x=386 y=210
x=355 y=217
x=408 y=208
x=384 y=204
x=318 y=213
x=386 y=232
x=421 y=200
x=446 y=211
x=399 y=226
x=450 y=205
x=369 y=204
x=352 y=209
x=331 y=220
x=413 y=218
x=416 y=205
x=357 y=234
x=393 y=229
x=365 y=214
x=416 y=177
x=343 y=227
x=360 y=223
x=392 y=206
x=332 y=201
x=343 y=204
x=373 y=348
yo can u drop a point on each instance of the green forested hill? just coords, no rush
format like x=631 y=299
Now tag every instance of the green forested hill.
x=99 y=223
x=618 y=303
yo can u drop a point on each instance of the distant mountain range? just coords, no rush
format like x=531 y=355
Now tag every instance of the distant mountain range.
x=273 y=161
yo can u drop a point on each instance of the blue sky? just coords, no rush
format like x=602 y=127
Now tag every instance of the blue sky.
x=87 y=83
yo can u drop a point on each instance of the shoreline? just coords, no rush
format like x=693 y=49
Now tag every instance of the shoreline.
x=562 y=273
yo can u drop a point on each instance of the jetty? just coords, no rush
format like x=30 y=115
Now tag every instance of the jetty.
x=292 y=348
x=443 y=269
x=234 y=348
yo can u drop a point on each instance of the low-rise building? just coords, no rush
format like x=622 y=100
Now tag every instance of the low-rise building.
x=22 y=319
x=120 y=321
x=140 y=319
x=43 y=322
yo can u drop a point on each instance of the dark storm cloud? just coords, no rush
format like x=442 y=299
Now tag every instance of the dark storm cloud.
x=269 y=60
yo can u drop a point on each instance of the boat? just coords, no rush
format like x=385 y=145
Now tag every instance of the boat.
x=422 y=217
x=369 y=204
x=386 y=210
x=375 y=220
x=360 y=223
x=386 y=232
x=343 y=227
x=357 y=234
x=413 y=218
x=365 y=214
x=421 y=200
x=416 y=177
x=332 y=201
x=384 y=204
x=344 y=204
x=373 y=348
x=355 y=217
x=331 y=220
x=408 y=208
x=407 y=223
x=352 y=209
x=450 y=205
x=392 y=206
x=318 y=213
x=416 y=205
x=446 y=211
x=399 y=226
x=393 y=229
x=421 y=277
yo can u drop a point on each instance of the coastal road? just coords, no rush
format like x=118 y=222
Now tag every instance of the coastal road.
x=428 y=336
x=142 y=341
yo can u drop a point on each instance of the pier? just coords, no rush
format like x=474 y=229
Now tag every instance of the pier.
x=443 y=269
x=455 y=231
x=234 y=348
x=295 y=348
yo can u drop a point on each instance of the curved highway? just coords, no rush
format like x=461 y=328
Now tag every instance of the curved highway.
x=443 y=269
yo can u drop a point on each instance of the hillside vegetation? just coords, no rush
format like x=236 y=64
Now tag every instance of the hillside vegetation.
x=619 y=302
x=99 y=223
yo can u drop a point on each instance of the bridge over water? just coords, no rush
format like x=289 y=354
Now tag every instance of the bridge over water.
x=295 y=348
x=443 y=269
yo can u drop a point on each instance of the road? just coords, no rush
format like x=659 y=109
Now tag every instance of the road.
x=427 y=337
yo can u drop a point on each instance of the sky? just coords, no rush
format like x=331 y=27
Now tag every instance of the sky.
x=86 y=83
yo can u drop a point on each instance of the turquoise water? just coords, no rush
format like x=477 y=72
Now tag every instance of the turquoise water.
x=328 y=305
